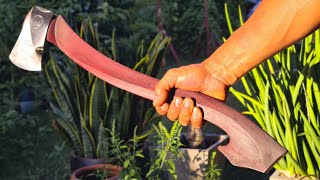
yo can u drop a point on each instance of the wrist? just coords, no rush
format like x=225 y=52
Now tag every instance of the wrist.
x=220 y=72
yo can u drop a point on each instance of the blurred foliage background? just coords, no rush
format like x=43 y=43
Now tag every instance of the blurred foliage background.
x=30 y=148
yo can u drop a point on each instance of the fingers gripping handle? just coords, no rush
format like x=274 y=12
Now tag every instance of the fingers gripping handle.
x=249 y=146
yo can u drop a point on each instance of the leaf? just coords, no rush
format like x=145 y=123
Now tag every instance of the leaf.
x=298 y=85
x=102 y=145
x=126 y=163
x=97 y=105
x=123 y=122
x=71 y=131
x=267 y=119
x=240 y=15
x=171 y=164
x=312 y=132
x=248 y=98
x=228 y=18
x=140 y=155
x=307 y=157
x=89 y=145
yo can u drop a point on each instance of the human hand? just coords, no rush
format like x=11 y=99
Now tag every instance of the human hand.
x=195 y=77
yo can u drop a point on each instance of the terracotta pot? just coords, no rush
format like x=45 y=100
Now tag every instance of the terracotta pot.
x=77 y=162
x=83 y=172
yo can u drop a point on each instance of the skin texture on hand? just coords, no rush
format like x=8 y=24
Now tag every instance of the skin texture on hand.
x=193 y=77
x=274 y=25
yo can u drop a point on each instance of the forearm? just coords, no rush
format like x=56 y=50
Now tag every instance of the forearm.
x=275 y=25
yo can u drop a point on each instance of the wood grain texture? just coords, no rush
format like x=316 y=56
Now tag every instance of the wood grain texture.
x=249 y=145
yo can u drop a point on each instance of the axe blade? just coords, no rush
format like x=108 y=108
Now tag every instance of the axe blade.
x=27 y=52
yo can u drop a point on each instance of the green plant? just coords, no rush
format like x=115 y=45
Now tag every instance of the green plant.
x=30 y=144
x=126 y=153
x=213 y=172
x=282 y=95
x=85 y=105
x=81 y=101
x=162 y=163
x=99 y=174
x=133 y=109
x=168 y=145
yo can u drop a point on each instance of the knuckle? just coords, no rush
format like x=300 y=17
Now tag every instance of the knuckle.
x=184 y=116
x=171 y=72
x=185 y=113
x=171 y=77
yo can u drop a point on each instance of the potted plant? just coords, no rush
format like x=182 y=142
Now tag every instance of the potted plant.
x=202 y=161
x=127 y=154
x=282 y=95
x=97 y=172
x=85 y=106
x=167 y=154
x=175 y=159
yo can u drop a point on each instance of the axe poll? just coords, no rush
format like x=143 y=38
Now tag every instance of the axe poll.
x=249 y=146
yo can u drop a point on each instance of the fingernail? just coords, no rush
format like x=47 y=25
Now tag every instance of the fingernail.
x=186 y=103
x=178 y=102
x=195 y=112
x=163 y=108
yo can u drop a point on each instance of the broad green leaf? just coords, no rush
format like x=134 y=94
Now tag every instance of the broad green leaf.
x=97 y=105
x=102 y=144
x=89 y=144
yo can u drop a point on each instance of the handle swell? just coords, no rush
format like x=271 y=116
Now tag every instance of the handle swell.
x=249 y=146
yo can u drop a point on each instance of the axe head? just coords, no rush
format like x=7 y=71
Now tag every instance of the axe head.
x=27 y=52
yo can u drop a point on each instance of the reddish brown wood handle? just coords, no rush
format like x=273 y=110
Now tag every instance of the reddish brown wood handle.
x=249 y=146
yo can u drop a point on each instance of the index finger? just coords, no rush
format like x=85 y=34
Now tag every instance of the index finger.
x=163 y=87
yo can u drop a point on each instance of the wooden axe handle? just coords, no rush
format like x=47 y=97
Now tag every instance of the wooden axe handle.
x=249 y=146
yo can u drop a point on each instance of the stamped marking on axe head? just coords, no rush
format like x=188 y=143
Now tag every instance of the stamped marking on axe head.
x=27 y=52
